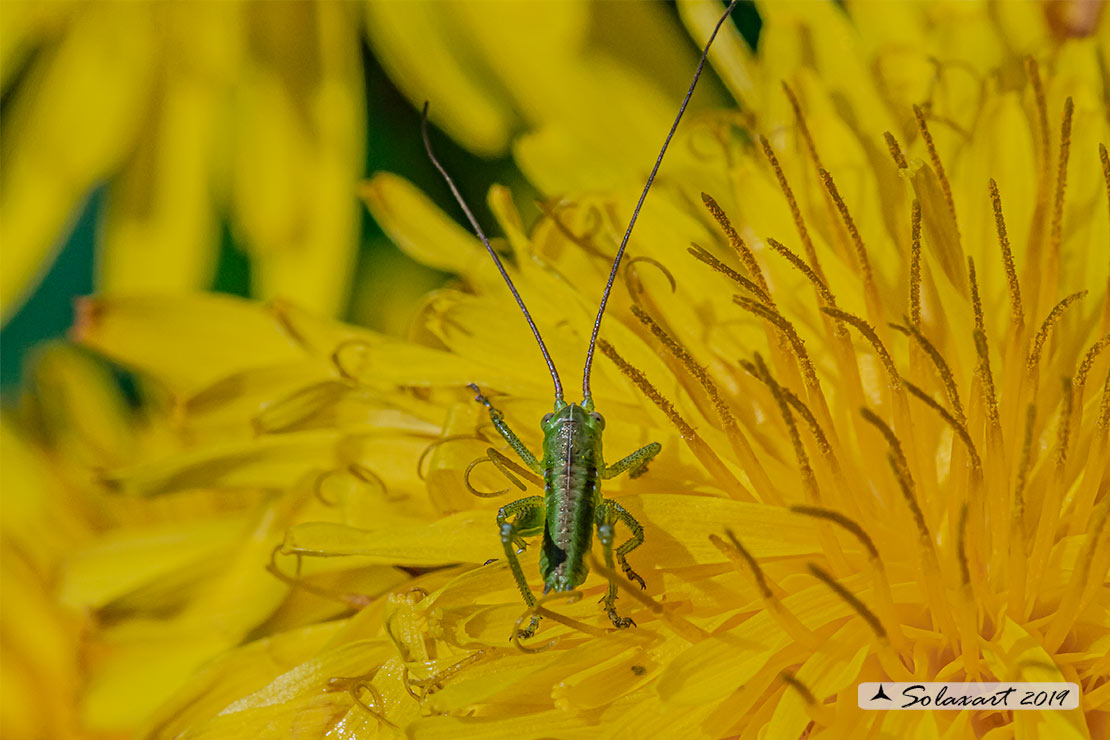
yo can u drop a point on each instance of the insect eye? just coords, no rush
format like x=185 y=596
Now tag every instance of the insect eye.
x=598 y=418
x=546 y=418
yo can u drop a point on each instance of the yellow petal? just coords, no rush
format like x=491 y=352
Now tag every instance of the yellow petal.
x=160 y=233
x=300 y=133
x=187 y=342
x=467 y=537
x=115 y=701
x=124 y=561
x=416 y=225
x=415 y=43
x=100 y=75
x=233 y=675
x=730 y=55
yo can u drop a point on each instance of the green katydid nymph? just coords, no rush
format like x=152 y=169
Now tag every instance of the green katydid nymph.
x=572 y=464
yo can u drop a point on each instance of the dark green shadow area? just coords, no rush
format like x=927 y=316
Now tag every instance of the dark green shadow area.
x=748 y=22
x=48 y=313
x=233 y=266
x=394 y=144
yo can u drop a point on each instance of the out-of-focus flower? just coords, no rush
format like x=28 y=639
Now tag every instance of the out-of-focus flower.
x=878 y=462
x=40 y=686
x=551 y=80
x=191 y=113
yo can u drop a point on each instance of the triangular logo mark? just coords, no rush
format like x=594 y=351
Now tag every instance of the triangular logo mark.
x=880 y=694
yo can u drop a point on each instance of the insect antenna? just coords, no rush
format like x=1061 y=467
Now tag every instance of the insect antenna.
x=587 y=397
x=493 y=254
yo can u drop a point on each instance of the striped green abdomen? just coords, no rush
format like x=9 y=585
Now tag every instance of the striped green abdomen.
x=572 y=453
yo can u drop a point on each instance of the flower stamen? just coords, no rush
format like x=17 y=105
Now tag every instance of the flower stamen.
x=759 y=370
x=915 y=264
x=987 y=378
x=1017 y=576
x=280 y=310
x=1032 y=69
x=795 y=211
x=1105 y=157
x=884 y=600
x=1104 y=407
x=809 y=477
x=1064 y=428
x=739 y=555
x=1083 y=585
x=821 y=714
x=853 y=601
x=941 y=366
x=1088 y=362
x=1085 y=496
x=703 y=256
x=1054 y=315
x=847 y=523
x=814 y=426
x=938 y=166
x=895 y=151
x=976 y=299
x=784 y=325
x=967 y=606
x=802 y=125
x=869 y=334
x=853 y=231
x=1049 y=516
x=738 y=441
x=957 y=426
x=698 y=446
x=743 y=251
x=1061 y=179
x=929 y=564
x=961 y=547
x=800 y=265
x=1017 y=316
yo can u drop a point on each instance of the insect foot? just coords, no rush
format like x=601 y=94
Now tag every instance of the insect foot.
x=482 y=399
x=621 y=623
x=632 y=575
x=528 y=631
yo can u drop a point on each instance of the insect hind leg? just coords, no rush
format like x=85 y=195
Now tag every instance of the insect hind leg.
x=608 y=513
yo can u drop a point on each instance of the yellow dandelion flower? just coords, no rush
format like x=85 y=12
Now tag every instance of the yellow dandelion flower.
x=189 y=113
x=873 y=352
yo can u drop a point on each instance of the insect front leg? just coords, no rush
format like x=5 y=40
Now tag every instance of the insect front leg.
x=527 y=519
x=608 y=513
x=636 y=463
x=509 y=436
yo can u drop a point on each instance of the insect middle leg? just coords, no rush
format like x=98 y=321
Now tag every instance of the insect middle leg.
x=527 y=519
x=636 y=463
x=608 y=513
